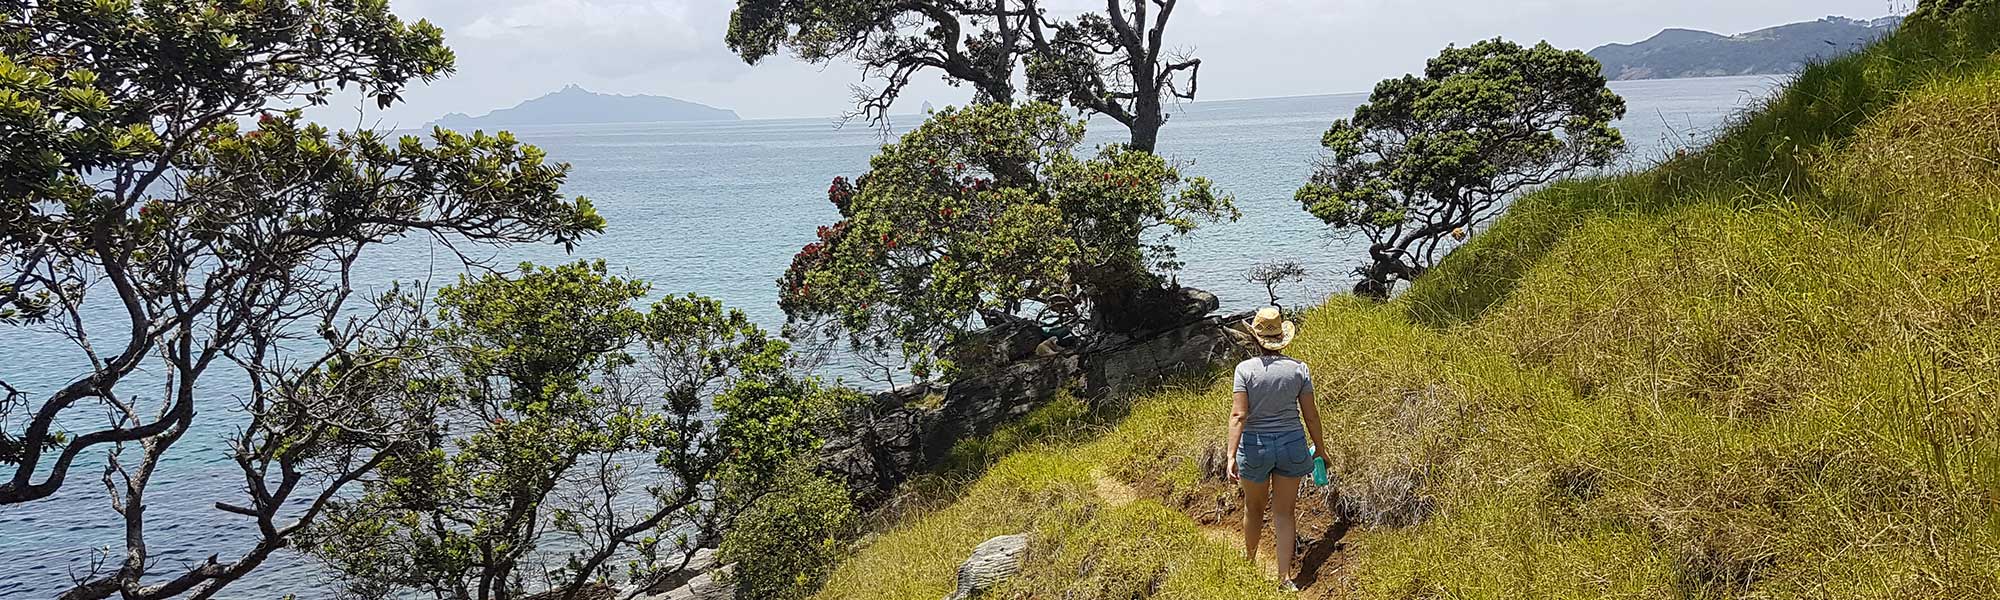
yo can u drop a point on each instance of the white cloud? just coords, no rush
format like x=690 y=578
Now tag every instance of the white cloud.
x=605 y=38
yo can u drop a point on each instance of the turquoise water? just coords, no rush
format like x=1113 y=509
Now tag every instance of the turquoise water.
x=719 y=209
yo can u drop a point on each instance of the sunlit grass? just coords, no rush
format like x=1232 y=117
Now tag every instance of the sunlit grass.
x=1768 y=369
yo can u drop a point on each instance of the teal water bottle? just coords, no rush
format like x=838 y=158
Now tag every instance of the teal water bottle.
x=1319 y=468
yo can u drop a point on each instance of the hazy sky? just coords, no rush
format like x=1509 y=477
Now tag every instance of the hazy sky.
x=512 y=50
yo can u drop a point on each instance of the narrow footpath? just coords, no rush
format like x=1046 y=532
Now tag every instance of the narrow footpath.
x=1324 y=560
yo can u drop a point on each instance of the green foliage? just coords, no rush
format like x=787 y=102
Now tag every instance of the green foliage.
x=787 y=542
x=553 y=384
x=1433 y=155
x=1761 y=370
x=132 y=179
x=988 y=210
x=1063 y=419
x=1112 y=62
x=1945 y=9
x=1082 y=543
x=966 y=40
x=1781 y=151
x=84 y=87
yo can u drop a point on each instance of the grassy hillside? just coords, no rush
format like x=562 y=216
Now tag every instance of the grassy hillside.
x=1767 y=369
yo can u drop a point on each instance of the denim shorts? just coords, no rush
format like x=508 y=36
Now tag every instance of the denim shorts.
x=1284 y=453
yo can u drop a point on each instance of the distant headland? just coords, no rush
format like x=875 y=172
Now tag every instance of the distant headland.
x=1785 y=49
x=573 y=104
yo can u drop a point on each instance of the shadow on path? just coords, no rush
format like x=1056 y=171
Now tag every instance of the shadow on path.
x=1319 y=552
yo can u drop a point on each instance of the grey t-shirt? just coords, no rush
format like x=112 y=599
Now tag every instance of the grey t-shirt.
x=1273 y=384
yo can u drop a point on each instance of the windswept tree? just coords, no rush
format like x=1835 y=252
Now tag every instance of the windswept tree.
x=575 y=433
x=1115 y=62
x=1431 y=156
x=971 y=42
x=988 y=211
x=1274 y=274
x=195 y=245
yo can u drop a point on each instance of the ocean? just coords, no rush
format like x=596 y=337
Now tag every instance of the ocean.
x=719 y=209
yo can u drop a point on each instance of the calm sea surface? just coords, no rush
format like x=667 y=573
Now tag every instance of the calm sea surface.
x=719 y=209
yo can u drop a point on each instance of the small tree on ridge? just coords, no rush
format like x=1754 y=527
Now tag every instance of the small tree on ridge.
x=1430 y=155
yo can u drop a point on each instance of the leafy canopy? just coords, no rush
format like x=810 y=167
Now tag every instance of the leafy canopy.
x=1115 y=62
x=164 y=209
x=1435 y=154
x=1944 y=9
x=971 y=41
x=989 y=209
x=552 y=386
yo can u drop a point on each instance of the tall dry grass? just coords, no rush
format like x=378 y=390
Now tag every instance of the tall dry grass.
x=1768 y=369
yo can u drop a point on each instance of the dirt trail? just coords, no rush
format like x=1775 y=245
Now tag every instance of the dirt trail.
x=1327 y=578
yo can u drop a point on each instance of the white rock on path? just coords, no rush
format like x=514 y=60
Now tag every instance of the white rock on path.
x=706 y=586
x=992 y=562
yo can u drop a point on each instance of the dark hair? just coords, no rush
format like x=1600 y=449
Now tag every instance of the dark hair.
x=1269 y=351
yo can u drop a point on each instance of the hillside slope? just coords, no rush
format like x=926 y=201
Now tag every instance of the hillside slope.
x=1784 y=49
x=575 y=105
x=1767 y=369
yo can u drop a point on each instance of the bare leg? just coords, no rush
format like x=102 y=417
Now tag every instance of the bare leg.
x=1284 y=522
x=1254 y=495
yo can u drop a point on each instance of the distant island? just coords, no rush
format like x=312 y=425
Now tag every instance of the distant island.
x=1678 y=53
x=573 y=104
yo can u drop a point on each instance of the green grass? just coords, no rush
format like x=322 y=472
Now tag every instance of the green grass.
x=1768 y=369
x=1083 y=545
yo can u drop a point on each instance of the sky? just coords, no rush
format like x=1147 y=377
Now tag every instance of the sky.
x=513 y=50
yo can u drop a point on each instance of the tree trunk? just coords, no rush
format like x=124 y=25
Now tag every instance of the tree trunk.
x=1127 y=298
x=1376 y=282
x=1146 y=122
x=1378 y=279
x=994 y=92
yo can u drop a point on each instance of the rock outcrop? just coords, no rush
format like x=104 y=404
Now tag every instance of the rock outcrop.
x=708 y=585
x=992 y=562
x=702 y=561
x=900 y=433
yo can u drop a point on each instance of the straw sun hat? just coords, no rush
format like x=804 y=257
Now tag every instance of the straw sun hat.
x=1273 y=332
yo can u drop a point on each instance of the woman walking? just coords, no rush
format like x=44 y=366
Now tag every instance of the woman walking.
x=1268 y=437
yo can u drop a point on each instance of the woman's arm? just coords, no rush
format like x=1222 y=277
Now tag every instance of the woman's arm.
x=1309 y=411
x=1239 y=415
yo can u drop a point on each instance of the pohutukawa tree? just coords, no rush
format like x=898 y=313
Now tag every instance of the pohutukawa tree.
x=988 y=211
x=972 y=42
x=1431 y=155
x=1115 y=62
x=576 y=440
x=147 y=221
